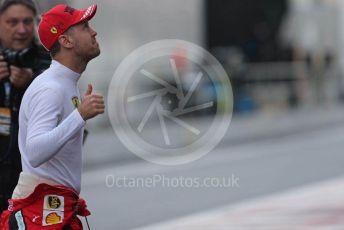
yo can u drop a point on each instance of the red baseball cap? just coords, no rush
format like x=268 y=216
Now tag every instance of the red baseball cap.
x=59 y=19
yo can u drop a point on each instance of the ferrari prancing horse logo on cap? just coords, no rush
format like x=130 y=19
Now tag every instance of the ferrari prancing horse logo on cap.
x=75 y=101
x=53 y=30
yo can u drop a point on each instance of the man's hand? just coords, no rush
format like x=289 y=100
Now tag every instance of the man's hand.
x=20 y=77
x=4 y=71
x=91 y=104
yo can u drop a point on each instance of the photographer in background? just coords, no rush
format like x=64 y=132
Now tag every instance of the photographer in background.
x=17 y=23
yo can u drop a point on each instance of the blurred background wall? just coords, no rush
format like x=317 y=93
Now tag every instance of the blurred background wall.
x=279 y=54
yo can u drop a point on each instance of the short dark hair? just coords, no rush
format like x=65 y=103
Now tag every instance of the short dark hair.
x=57 y=46
x=28 y=3
x=55 y=49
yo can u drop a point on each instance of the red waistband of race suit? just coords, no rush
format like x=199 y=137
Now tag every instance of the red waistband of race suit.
x=48 y=207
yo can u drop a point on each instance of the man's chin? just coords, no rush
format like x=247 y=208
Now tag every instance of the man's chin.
x=93 y=55
x=97 y=50
x=96 y=53
x=19 y=46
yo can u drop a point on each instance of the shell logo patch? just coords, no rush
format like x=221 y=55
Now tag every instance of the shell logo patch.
x=53 y=218
x=53 y=210
x=75 y=101
x=53 y=30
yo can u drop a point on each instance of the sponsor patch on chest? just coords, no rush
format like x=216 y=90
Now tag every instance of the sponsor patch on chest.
x=75 y=101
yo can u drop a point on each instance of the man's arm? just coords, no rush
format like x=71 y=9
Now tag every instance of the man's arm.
x=45 y=134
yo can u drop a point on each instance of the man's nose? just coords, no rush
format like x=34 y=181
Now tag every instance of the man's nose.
x=21 y=28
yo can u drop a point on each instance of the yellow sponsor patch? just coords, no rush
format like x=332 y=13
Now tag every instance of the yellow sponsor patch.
x=53 y=30
x=53 y=210
x=75 y=101
x=54 y=202
x=53 y=218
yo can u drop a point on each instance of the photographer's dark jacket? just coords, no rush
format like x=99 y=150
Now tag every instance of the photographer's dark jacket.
x=10 y=99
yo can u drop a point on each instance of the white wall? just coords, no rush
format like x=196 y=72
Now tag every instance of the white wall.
x=124 y=25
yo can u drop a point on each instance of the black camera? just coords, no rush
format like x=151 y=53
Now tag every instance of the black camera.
x=26 y=58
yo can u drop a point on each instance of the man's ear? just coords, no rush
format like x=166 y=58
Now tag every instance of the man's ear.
x=66 y=41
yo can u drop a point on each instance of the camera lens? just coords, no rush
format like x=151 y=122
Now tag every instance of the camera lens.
x=26 y=58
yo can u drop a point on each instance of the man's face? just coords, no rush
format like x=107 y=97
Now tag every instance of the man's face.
x=85 y=43
x=16 y=27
